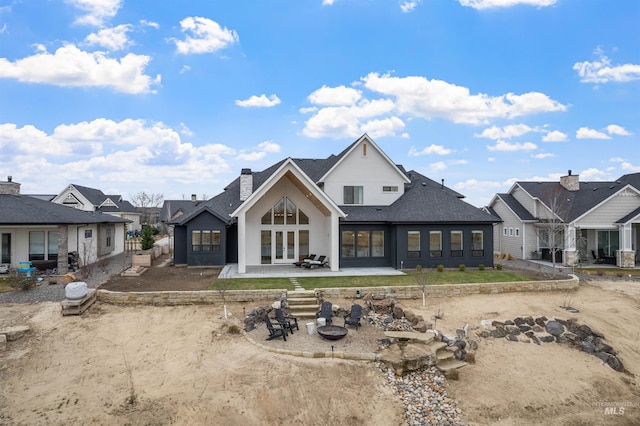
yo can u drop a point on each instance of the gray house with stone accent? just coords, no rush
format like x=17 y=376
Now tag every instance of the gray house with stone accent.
x=37 y=230
x=357 y=208
x=595 y=221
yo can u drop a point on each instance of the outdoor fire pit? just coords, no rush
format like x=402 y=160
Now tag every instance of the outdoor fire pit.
x=332 y=332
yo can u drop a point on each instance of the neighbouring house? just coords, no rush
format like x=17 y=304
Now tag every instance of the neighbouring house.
x=172 y=210
x=90 y=199
x=596 y=222
x=37 y=230
x=357 y=208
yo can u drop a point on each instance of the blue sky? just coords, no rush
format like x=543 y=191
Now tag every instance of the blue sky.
x=176 y=97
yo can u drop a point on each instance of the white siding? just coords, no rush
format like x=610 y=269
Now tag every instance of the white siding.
x=613 y=210
x=372 y=172
x=509 y=244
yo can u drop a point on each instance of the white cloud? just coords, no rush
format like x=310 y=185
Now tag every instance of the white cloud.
x=614 y=129
x=488 y=4
x=97 y=11
x=151 y=24
x=261 y=101
x=72 y=67
x=542 y=155
x=554 y=136
x=344 y=121
x=262 y=150
x=184 y=130
x=327 y=2
x=510 y=147
x=384 y=127
x=587 y=133
x=601 y=70
x=204 y=36
x=185 y=69
x=409 y=5
x=111 y=38
x=437 y=167
x=436 y=98
x=429 y=150
x=506 y=132
x=335 y=96
x=129 y=153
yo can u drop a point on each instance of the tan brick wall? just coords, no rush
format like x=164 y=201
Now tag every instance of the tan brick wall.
x=171 y=298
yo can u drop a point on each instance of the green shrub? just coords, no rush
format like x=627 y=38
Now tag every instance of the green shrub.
x=499 y=266
x=440 y=267
x=481 y=267
x=146 y=238
x=461 y=267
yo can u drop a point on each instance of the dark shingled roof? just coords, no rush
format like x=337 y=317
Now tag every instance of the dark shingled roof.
x=572 y=204
x=26 y=210
x=516 y=207
x=424 y=200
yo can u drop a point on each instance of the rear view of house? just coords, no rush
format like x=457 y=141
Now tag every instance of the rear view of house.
x=357 y=208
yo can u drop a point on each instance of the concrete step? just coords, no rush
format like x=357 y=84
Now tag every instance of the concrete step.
x=302 y=301
x=453 y=364
x=301 y=293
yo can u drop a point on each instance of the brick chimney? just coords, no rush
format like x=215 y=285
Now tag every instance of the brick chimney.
x=246 y=184
x=9 y=187
x=570 y=182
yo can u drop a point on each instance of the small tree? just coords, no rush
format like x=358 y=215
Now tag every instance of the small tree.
x=551 y=228
x=146 y=239
x=422 y=279
x=146 y=202
x=222 y=284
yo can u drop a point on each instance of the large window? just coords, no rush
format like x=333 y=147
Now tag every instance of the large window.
x=477 y=243
x=265 y=247
x=206 y=241
x=52 y=246
x=36 y=245
x=456 y=244
x=353 y=195
x=413 y=244
x=435 y=244
x=362 y=243
x=608 y=243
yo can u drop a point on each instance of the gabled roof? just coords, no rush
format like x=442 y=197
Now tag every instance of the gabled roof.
x=438 y=204
x=364 y=138
x=515 y=206
x=26 y=210
x=100 y=201
x=171 y=207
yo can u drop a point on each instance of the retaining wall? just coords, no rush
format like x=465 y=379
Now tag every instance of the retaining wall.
x=171 y=298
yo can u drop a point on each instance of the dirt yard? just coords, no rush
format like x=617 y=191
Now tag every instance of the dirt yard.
x=182 y=365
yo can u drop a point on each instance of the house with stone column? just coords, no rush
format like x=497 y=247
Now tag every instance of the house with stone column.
x=595 y=222
x=44 y=233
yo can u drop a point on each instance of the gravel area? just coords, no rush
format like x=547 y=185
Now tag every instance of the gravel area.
x=46 y=292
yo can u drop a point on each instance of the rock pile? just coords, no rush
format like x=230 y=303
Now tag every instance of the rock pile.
x=424 y=397
x=542 y=330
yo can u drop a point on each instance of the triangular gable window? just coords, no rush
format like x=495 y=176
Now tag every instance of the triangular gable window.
x=285 y=212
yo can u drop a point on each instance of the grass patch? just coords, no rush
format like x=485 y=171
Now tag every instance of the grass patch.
x=447 y=277
x=6 y=284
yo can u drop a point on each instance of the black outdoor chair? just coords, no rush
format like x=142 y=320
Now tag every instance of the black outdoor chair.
x=320 y=263
x=305 y=260
x=326 y=311
x=275 y=330
x=288 y=323
x=354 y=316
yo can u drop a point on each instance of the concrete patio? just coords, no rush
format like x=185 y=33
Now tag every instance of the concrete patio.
x=290 y=271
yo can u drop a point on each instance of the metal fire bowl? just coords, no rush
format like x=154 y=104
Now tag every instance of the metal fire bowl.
x=332 y=332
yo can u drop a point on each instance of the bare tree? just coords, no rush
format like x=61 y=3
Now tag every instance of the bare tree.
x=422 y=279
x=146 y=202
x=551 y=228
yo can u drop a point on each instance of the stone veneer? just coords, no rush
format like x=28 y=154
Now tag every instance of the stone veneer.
x=171 y=298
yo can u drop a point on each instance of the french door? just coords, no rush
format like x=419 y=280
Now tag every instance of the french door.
x=283 y=245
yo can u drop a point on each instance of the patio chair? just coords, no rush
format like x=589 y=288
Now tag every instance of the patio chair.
x=320 y=263
x=354 y=316
x=275 y=330
x=288 y=323
x=596 y=259
x=303 y=261
x=326 y=311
